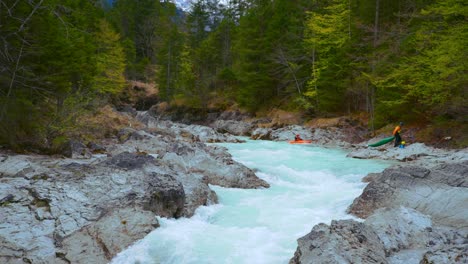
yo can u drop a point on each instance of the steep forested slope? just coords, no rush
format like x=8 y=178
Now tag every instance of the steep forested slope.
x=391 y=60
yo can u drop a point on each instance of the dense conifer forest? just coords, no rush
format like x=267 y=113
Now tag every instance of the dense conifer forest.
x=389 y=60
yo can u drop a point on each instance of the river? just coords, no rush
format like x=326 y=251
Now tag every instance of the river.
x=309 y=185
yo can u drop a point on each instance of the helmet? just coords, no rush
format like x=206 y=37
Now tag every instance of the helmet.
x=401 y=123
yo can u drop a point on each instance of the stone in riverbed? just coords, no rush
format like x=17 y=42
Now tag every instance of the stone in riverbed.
x=167 y=197
x=344 y=241
x=394 y=236
x=440 y=192
x=111 y=234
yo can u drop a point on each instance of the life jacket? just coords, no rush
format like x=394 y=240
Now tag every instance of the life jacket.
x=396 y=130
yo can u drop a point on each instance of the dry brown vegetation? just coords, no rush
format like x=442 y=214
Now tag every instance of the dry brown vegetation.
x=140 y=95
x=103 y=123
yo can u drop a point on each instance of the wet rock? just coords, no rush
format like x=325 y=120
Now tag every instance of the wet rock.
x=344 y=241
x=398 y=235
x=197 y=192
x=167 y=197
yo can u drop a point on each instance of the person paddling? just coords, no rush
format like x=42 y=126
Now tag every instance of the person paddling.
x=396 y=133
x=297 y=138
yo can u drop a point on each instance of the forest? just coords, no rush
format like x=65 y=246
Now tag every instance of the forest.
x=389 y=60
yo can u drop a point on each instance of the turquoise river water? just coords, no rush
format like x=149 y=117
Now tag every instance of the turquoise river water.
x=309 y=185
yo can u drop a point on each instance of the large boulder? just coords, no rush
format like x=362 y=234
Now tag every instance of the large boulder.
x=54 y=210
x=215 y=163
x=344 y=241
x=111 y=234
x=167 y=197
x=440 y=192
x=234 y=127
x=398 y=235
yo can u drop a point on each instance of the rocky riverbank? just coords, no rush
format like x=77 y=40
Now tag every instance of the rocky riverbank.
x=414 y=212
x=101 y=198
x=412 y=215
x=88 y=207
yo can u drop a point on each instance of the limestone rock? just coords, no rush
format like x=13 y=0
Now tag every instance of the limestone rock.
x=440 y=192
x=344 y=241
x=417 y=153
x=167 y=196
x=111 y=234
x=447 y=255
x=238 y=128
x=397 y=236
x=130 y=161
x=86 y=210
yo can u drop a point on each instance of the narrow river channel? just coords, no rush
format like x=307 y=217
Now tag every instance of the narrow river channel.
x=309 y=185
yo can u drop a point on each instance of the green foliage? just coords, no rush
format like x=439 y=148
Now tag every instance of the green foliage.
x=56 y=61
x=186 y=82
x=110 y=60
x=270 y=57
x=396 y=60
x=327 y=37
x=431 y=76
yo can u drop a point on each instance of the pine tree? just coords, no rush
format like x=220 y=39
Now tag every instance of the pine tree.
x=110 y=60
x=327 y=38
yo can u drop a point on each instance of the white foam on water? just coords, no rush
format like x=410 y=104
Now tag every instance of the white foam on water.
x=309 y=185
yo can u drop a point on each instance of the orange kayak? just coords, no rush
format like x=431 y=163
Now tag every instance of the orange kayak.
x=300 y=141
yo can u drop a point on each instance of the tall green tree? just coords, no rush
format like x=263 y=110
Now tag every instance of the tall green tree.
x=50 y=63
x=327 y=37
x=110 y=60
x=252 y=65
x=430 y=77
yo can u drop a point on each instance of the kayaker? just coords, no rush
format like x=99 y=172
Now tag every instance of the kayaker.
x=396 y=133
x=297 y=138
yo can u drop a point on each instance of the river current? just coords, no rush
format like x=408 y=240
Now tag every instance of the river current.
x=309 y=185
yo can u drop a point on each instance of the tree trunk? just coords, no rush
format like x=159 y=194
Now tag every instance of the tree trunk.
x=168 y=76
x=315 y=78
x=373 y=92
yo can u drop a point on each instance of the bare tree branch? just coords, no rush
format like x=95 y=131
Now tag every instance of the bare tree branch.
x=30 y=15
x=10 y=88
